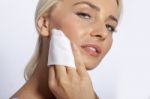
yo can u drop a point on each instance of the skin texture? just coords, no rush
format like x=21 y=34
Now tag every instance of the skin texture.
x=86 y=30
x=63 y=82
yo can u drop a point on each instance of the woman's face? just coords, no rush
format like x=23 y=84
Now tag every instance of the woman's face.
x=89 y=24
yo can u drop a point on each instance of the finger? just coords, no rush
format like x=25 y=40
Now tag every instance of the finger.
x=60 y=72
x=72 y=73
x=51 y=77
x=51 y=73
x=81 y=69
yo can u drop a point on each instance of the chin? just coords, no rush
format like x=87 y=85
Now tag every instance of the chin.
x=91 y=66
x=90 y=61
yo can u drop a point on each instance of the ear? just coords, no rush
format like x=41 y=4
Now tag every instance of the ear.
x=43 y=26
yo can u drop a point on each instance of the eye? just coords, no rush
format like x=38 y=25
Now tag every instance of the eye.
x=83 y=15
x=110 y=28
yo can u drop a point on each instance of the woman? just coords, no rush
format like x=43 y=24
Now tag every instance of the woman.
x=89 y=24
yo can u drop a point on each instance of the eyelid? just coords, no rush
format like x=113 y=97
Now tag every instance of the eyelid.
x=114 y=29
x=84 y=14
x=92 y=15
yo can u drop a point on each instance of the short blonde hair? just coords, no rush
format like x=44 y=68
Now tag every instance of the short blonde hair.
x=42 y=7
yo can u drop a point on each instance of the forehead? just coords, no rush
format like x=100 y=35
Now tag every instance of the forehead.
x=108 y=6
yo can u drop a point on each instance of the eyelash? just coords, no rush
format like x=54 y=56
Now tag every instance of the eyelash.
x=108 y=26
x=88 y=16
x=83 y=15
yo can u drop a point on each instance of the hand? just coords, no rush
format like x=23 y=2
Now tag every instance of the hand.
x=71 y=83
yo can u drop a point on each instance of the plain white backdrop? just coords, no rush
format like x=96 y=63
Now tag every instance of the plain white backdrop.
x=124 y=72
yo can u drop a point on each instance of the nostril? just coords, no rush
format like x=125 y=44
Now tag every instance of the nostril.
x=99 y=34
x=100 y=37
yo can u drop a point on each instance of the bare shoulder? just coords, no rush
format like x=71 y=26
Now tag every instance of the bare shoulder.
x=25 y=92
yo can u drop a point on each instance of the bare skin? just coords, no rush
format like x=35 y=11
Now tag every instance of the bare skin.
x=93 y=26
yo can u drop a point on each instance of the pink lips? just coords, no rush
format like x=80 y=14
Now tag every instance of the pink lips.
x=92 y=49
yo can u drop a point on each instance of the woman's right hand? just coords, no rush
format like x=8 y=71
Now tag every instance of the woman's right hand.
x=71 y=83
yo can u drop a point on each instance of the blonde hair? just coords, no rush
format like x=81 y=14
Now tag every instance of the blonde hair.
x=42 y=8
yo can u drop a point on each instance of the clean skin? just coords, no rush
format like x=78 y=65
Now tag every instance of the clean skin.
x=89 y=24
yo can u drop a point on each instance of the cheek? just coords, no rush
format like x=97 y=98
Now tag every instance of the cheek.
x=70 y=26
x=107 y=45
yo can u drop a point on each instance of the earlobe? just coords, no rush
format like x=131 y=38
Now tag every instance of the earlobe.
x=43 y=26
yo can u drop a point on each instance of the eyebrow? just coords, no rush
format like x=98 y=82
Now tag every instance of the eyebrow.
x=96 y=8
x=89 y=4
x=113 y=18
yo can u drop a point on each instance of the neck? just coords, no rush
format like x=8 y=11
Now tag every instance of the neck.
x=37 y=85
x=40 y=75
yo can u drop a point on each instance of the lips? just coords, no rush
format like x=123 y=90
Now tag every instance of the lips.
x=91 y=49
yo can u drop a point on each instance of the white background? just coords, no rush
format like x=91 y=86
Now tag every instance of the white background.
x=124 y=72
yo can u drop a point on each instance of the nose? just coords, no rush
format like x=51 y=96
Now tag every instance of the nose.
x=99 y=30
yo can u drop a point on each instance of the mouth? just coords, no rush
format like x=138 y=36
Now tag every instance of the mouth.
x=91 y=49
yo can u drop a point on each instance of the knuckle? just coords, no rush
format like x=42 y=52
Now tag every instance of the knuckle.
x=62 y=82
x=85 y=79
x=52 y=85
x=83 y=85
x=76 y=81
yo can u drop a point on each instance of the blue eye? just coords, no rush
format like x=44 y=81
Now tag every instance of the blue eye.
x=83 y=15
x=110 y=28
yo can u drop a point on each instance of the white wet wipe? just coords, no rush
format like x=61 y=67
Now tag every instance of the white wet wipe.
x=60 y=50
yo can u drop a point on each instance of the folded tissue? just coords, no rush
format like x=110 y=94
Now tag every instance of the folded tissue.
x=60 y=50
